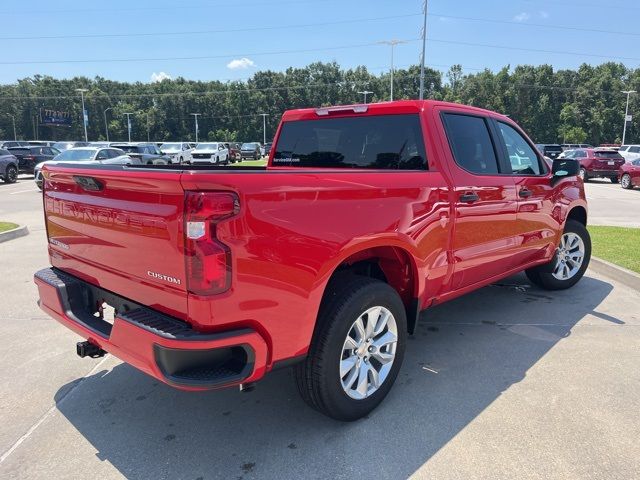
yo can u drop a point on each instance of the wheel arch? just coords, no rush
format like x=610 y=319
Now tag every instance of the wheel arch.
x=392 y=264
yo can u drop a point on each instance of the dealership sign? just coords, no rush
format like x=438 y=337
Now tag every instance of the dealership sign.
x=55 y=118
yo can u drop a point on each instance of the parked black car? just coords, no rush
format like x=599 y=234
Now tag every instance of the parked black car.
x=8 y=166
x=251 y=150
x=147 y=153
x=29 y=157
x=551 y=150
x=267 y=148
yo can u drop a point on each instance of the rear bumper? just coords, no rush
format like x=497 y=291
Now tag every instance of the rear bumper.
x=603 y=173
x=159 y=345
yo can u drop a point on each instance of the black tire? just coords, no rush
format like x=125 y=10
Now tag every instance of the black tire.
x=614 y=179
x=11 y=174
x=582 y=173
x=542 y=276
x=625 y=182
x=318 y=377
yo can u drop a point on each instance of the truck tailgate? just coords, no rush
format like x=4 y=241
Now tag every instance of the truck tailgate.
x=120 y=230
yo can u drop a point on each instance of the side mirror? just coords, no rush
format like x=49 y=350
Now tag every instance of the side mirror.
x=564 y=167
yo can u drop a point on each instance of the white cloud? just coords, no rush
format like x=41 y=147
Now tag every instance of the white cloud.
x=240 y=63
x=522 y=17
x=160 y=76
x=543 y=14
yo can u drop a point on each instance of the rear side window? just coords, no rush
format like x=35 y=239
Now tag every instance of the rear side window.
x=470 y=143
x=393 y=142
x=522 y=157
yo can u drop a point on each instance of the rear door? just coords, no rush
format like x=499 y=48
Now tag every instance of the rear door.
x=535 y=225
x=121 y=230
x=484 y=196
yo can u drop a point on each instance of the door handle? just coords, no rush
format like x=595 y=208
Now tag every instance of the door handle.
x=525 y=192
x=469 y=197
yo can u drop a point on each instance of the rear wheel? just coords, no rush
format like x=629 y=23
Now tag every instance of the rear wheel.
x=357 y=349
x=11 y=174
x=625 y=181
x=570 y=261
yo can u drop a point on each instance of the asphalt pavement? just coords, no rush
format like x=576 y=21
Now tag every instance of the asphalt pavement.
x=507 y=382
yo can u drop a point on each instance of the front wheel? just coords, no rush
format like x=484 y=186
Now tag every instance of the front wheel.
x=357 y=349
x=11 y=174
x=570 y=261
x=625 y=181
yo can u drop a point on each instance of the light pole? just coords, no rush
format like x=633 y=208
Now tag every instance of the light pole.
x=195 y=119
x=106 y=125
x=424 y=47
x=626 y=114
x=148 y=135
x=393 y=44
x=84 y=112
x=365 y=93
x=128 y=114
x=264 y=127
x=15 y=136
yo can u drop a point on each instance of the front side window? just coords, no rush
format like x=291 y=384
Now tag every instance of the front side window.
x=471 y=143
x=393 y=142
x=522 y=157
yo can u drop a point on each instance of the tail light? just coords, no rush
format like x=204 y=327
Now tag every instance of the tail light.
x=207 y=260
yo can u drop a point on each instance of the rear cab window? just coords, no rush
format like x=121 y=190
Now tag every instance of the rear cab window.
x=391 y=142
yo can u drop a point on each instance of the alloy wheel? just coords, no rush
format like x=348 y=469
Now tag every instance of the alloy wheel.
x=368 y=352
x=569 y=256
x=625 y=181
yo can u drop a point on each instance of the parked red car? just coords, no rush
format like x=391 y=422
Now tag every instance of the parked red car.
x=365 y=216
x=598 y=163
x=629 y=174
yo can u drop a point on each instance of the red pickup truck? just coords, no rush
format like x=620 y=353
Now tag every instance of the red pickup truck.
x=365 y=216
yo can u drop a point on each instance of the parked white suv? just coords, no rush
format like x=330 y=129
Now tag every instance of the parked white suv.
x=210 y=152
x=629 y=152
x=178 y=152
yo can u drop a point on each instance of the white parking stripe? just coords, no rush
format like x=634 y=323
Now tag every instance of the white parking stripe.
x=23 y=191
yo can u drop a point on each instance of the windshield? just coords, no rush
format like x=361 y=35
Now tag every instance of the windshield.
x=249 y=146
x=128 y=148
x=383 y=142
x=207 y=146
x=74 y=155
x=553 y=148
x=171 y=146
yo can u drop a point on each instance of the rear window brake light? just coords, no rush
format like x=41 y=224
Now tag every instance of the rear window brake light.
x=324 y=111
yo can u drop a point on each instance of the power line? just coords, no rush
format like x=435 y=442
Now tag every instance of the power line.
x=196 y=57
x=204 y=32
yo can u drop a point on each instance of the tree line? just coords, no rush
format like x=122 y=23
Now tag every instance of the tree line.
x=568 y=106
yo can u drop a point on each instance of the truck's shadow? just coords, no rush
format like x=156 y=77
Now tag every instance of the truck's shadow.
x=465 y=354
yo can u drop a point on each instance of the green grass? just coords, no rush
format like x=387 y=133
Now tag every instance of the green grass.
x=4 y=226
x=251 y=163
x=619 y=245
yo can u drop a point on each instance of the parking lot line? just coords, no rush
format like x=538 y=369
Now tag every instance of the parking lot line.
x=23 y=191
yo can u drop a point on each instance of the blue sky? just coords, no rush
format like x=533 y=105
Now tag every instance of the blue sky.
x=283 y=33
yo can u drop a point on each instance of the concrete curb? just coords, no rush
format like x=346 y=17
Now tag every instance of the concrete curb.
x=15 y=233
x=620 y=274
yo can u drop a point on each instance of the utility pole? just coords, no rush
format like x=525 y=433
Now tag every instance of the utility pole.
x=264 y=127
x=106 y=125
x=195 y=118
x=365 y=93
x=148 y=135
x=626 y=114
x=393 y=44
x=128 y=114
x=424 y=46
x=85 y=117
